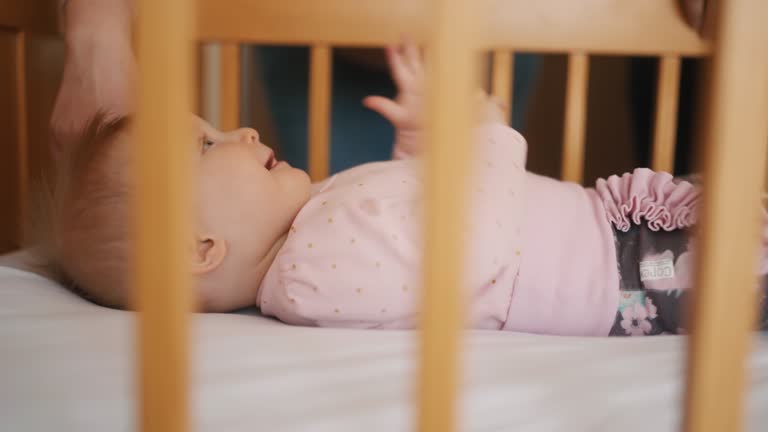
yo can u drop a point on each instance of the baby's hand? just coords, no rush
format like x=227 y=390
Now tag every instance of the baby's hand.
x=406 y=111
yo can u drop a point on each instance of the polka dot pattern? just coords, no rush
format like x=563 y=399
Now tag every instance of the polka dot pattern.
x=353 y=256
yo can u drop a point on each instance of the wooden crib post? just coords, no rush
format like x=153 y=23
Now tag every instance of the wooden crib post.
x=320 y=111
x=15 y=170
x=451 y=75
x=575 y=117
x=667 y=95
x=502 y=78
x=162 y=234
x=724 y=303
x=230 y=86
x=219 y=84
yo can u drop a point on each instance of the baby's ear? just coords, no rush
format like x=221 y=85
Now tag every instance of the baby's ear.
x=208 y=254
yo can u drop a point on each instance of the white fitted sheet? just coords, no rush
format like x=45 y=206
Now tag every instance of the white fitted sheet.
x=67 y=365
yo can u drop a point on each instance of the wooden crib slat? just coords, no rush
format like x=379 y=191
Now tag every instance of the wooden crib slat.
x=502 y=78
x=452 y=69
x=199 y=97
x=162 y=234
x=725 y=301
x=485 y=71
x=14 y=163
x=575 y=117
x=209 y=79
x=230 y=86
x=667 y=94
x=319 y=111
x=599 y=26
x=21 y=162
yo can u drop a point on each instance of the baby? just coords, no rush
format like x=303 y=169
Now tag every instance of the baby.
x=543 y=256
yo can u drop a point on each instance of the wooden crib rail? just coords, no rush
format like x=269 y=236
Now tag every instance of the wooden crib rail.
x=647 y=27
x=580 y=29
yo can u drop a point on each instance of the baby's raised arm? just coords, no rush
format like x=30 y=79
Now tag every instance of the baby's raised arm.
x=406 y=111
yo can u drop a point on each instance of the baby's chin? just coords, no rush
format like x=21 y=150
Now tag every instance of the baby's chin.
x=306 y=186
x=303 y=181
x=299 y=172
x=297 y=185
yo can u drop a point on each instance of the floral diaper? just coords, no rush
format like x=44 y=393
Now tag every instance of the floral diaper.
x=655 y=276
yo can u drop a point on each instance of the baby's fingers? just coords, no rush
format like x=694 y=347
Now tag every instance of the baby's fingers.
x=401 y=73
x=386 y=107
x=412 y=56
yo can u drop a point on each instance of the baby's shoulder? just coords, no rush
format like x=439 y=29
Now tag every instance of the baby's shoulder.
x=360 y=207
x=376 y=181
x=381 y=174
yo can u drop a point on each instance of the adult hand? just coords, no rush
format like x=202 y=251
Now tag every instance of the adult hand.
x=99 y=67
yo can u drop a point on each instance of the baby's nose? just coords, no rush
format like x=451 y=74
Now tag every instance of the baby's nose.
x=248 y=135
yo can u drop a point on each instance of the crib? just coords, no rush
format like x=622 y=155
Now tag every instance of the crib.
x=455 y=33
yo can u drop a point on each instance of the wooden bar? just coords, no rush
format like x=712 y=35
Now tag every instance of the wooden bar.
x=502 y=78
x=210 y=83
x=162 y=209
x=485 y=72
x=230 y=86
x=725 y=300
x=597 y=26
x=319 y=112
x=22 y=133
x=667 y=95
x=199 y=98
x=10 y=124
x=575 y=117
x=13 y=122
x=453 y=60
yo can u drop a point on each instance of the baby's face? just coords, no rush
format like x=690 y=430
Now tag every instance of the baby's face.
x=246 y=201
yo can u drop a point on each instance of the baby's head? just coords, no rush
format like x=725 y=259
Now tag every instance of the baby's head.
x=244 y=204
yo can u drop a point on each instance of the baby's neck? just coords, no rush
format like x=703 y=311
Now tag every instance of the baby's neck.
x=266 y=263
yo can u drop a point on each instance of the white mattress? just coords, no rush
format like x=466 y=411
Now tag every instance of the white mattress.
x=66 y=365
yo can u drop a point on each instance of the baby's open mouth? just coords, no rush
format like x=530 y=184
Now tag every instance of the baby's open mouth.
x=271 y=161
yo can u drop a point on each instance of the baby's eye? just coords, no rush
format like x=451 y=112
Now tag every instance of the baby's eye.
x=206 y=143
